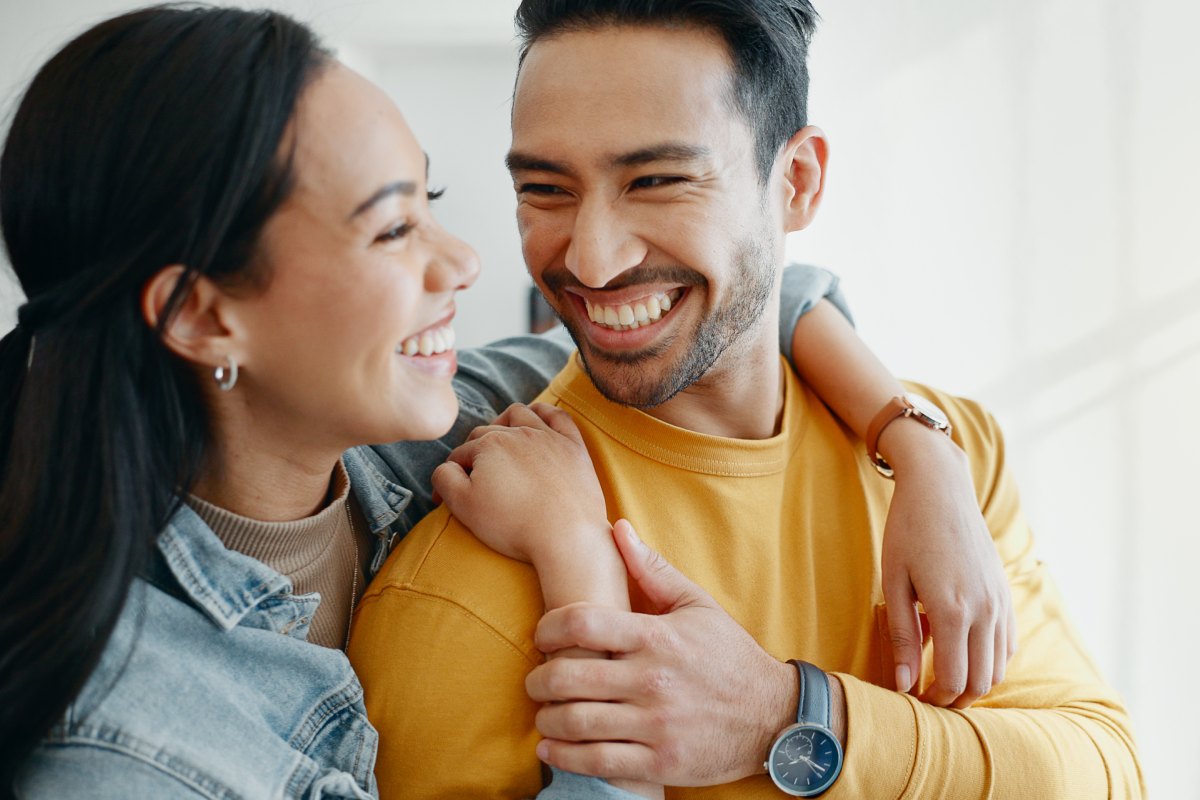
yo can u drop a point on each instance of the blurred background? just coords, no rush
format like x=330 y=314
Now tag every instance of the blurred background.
x=1014 y=206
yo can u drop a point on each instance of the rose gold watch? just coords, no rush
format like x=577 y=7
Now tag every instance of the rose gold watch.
x=905 y=405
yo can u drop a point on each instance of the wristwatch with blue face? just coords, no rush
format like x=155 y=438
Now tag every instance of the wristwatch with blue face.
x=806 y=758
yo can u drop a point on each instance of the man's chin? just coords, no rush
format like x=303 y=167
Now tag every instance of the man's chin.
x=630 y=379
x=641 y=378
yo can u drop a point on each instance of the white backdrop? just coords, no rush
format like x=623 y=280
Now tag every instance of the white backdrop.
x=1013 y=205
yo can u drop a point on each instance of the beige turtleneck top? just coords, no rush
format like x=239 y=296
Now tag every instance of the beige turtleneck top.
x=317 y=553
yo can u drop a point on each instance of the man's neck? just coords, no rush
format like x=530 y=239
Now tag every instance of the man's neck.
x=741 y=397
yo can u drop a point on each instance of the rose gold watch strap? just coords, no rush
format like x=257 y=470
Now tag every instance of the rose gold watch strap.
x=896 y=407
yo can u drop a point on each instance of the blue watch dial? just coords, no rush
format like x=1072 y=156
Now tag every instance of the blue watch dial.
x=805 y=760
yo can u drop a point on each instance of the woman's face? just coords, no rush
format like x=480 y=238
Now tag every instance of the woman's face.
x=350 y=340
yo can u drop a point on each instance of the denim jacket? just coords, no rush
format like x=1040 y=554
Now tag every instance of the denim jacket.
x=208 y=687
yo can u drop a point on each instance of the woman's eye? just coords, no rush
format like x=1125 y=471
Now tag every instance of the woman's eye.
x=652 y=181
x=394 y=233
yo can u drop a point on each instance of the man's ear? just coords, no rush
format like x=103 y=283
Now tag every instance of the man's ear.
x=803 y=179
x=198 y=331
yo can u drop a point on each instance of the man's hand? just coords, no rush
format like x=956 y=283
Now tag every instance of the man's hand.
x=937 y=549
x=688 y=699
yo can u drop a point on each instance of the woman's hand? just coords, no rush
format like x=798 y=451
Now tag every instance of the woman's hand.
x=525 y=486
x=938 y=550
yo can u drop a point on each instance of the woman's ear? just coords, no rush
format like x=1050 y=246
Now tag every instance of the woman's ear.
x=804 y=158
x=197 y=332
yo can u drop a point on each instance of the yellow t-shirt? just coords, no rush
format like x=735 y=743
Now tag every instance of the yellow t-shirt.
x=785 y=533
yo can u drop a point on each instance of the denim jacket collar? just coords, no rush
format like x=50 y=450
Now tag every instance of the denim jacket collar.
x=380 y=497
x=227 y=586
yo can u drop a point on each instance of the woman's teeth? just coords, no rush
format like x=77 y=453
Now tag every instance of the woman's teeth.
x=638 y=314
x=428 y=343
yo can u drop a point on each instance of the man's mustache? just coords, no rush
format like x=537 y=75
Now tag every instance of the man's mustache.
x=557 y=279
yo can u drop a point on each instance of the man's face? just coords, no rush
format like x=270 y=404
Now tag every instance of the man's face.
x=642 y=218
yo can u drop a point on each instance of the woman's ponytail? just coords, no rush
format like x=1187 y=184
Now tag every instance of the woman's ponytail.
x=154 y=139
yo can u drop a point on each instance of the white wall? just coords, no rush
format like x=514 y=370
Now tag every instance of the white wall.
x=457 y=100
x=1012 y=203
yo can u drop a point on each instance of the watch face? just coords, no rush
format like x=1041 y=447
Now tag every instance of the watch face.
x=805 y=760
x=927 y=409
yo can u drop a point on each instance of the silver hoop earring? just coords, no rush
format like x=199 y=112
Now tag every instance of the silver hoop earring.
x=226 y=376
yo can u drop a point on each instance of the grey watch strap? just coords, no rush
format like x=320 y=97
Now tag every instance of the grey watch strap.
x=813 y=708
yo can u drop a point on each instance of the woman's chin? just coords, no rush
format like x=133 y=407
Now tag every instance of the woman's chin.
x=430 y=419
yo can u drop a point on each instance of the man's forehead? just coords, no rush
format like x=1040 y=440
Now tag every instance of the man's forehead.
x=614 y=91
x=625 y=57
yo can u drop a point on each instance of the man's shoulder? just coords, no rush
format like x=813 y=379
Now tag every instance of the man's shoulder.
x=973 y=426
x=441 y=565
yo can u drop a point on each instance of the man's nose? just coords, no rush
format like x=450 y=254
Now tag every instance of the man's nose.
x=602 y=245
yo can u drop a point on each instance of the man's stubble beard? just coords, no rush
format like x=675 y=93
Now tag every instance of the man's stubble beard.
x=644 y=380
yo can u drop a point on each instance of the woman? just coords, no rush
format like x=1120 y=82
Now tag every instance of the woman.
x=233 y=279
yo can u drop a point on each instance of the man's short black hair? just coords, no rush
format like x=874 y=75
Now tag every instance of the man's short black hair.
x=767 y=40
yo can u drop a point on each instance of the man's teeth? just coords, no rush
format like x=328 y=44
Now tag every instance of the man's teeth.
x=631 y=316
x=428 y=343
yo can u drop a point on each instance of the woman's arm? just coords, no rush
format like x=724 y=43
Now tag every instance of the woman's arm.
x=936 y=547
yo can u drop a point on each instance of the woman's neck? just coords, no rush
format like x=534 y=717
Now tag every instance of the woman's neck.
x=266 y=484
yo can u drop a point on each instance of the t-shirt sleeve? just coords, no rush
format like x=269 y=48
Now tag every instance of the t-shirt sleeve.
x=443 y=684
x=1053 y=728
x=803 y=287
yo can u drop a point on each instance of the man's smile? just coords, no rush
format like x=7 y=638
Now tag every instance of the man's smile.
x=638 y=313
x=631 y=321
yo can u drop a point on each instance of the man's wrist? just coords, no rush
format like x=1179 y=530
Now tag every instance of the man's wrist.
x=780 y=712
x=837 y=708
x=806 y=756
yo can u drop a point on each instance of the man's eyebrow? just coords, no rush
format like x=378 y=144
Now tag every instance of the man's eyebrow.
x=407 y=188
x=516 y=160
x=668 y=151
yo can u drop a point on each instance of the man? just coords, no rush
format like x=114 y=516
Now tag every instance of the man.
x=661 y=153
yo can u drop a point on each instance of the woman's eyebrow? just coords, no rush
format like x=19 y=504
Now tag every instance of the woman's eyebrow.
x=407 y=188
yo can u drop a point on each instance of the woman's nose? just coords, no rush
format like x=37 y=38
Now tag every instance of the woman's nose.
x=455 y=266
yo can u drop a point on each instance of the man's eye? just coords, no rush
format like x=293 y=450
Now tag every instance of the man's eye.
x=538 y=188
x=652 y=181
x=394 y=233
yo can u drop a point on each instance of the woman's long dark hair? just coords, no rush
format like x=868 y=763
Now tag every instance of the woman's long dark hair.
x=155 y=138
